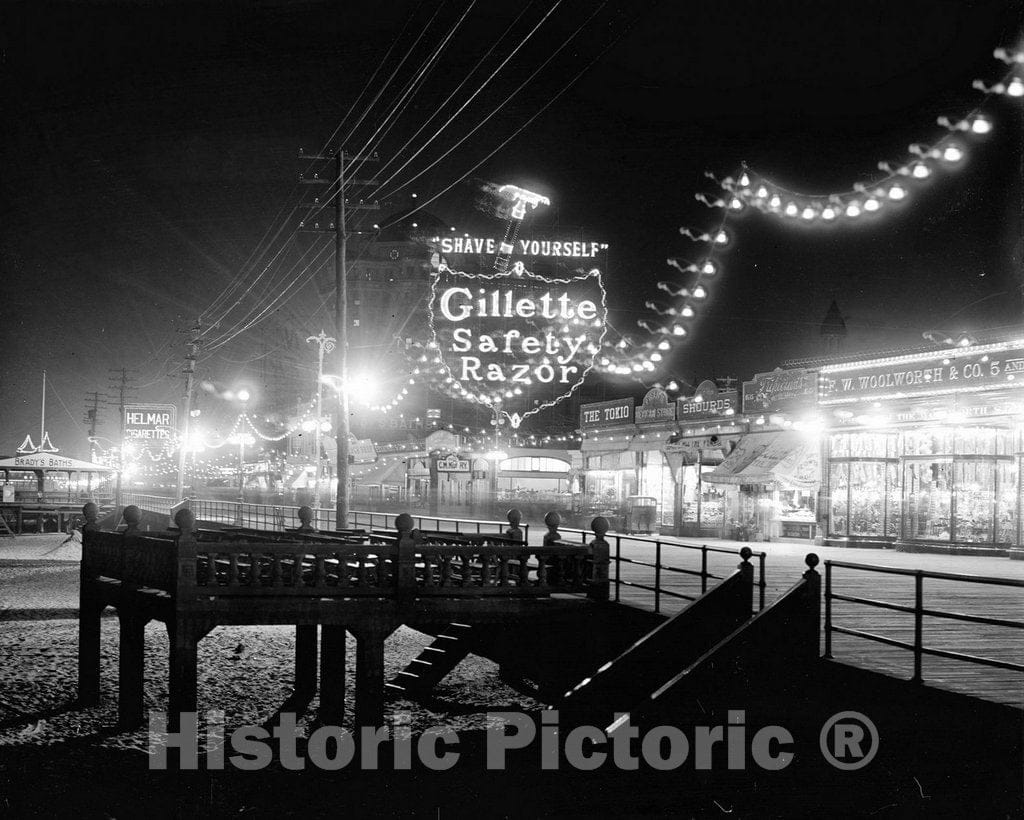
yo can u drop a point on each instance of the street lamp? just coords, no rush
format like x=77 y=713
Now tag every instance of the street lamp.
x=326 y=344
x=243 y=396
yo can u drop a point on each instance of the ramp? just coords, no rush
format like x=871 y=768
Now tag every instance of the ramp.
x=656 y=657
x=779 y=644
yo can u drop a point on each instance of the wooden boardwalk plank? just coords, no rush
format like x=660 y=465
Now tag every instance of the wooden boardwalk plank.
x=785 y=564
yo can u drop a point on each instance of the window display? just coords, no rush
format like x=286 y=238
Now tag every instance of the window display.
x=863 y=485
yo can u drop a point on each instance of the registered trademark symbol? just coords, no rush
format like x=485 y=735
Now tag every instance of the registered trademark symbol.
x=849 y=740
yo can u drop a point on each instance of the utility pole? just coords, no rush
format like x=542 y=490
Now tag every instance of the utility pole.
x=190 y=375
x=341 y=206
x=92 y=412
x=326 y=345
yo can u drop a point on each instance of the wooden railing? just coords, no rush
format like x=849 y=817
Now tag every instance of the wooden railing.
x=919 y=612
x=405 y=563
x=280 y=518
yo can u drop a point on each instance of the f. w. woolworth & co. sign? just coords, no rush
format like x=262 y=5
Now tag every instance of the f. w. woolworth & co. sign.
x=515 y=341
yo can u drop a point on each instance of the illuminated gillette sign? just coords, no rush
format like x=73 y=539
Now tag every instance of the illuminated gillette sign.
x=560 y=248
x=515 y=341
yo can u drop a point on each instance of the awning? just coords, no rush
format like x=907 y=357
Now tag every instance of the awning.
x=51 y=461
x=789 y=459
x=605 y=444
x=386 y=471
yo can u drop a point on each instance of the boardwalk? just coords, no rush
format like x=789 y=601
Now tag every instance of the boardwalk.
x=54 y=590
x=785 y=562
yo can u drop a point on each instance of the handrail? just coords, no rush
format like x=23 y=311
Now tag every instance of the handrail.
x=918 y=610
x=941 y=576
x=659 y=567
x=279 y=518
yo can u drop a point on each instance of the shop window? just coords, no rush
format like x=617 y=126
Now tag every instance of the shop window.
x=1006 y=502
x=975 y=500
x=936 y=441
x=929 y=497
x=895 y=500
x=867 y=498
x=839 y=491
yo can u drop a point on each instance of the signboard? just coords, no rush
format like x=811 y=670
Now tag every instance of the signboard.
x=361 y=450
x=950 y=372
x=515 y=341
x=655 y=407
x=545 y=248
x=150 y=422
x=50 y=461
x=708 y=402
x=780 y=391
x=453 y=464
x=606 y=413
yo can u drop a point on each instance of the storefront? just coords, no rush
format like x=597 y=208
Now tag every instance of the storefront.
x=924 y=450
x=771 y=479
x=610 y=466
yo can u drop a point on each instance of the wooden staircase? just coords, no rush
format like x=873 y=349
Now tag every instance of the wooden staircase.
x=428 y=668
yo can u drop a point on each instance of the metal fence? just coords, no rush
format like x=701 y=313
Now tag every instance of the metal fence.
x=919 y=611
x=662 y=567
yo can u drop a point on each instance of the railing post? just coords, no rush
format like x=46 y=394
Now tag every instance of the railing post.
x=828 y=610
x=657 y=577
x=704 y=567
x=306 y=519
x=760 y=580
x=552 y=536
x=598 y=581
x=406 y=575
x=918 y=622
x=618 y=566
x=747 y=572
x=514 y=531
x=132 y=516
x=811 y=629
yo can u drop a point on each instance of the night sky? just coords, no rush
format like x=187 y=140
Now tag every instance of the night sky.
x=148 y=148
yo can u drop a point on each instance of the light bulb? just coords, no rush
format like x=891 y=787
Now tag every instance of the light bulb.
x=979 y=125
x=699 y=292
x=1015 y=88
x=791 y=209
x=736 y=204
x=871 y=204
x=708 y=268
x=678 y=330
x=952 y=153
x=828 y=213
x=662 y=345
x=896 y=193
x=721 y=238
x=762 y=192
x=656 y=356
x=686 y=312
x=853 y=209
x=774 y=202
x=808 y=213
x=920 y=170
x=744 y=180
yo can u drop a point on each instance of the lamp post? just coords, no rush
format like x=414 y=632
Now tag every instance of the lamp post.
x=243 y=396
x=496 y=456
x=326 y=344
